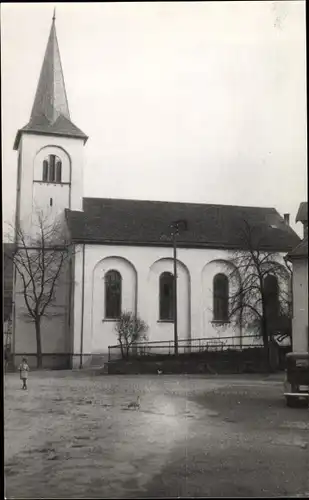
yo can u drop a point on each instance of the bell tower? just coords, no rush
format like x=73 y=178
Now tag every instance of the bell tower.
x=49 y=180
x=50 y=146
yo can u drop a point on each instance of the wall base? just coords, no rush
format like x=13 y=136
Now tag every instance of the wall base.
x=228 y=362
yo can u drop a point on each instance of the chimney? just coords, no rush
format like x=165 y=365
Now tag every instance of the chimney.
x=286 y=219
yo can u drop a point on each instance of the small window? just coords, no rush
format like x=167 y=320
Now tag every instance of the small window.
x=220 y=298
x=52 y=169
x=112 y=295
x=166 y=297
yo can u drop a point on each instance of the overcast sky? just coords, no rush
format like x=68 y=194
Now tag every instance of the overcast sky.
x=189 y=101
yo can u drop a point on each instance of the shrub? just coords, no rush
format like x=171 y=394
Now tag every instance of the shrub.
x=130 y=328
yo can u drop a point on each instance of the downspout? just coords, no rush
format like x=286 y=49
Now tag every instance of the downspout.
x=82 y=311
x=13 y=318
x=71 y=306
x=135 y=304
x=175 y=294
x=136 y=292
x=241 y=316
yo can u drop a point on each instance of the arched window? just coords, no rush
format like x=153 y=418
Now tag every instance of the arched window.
x=58 y=171
x=166 y=297
x=271 y=295
x=45 y=170
x=220 y=298
x=52 y=169
x=112 y=295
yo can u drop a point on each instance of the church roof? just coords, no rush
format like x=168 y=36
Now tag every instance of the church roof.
x=137 y=222
x=302 y=214
x=300 y=251
x=50 y=111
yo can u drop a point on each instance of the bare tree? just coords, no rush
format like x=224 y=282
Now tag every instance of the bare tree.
x=38 y=259
x=261 y=298
x=130 y=329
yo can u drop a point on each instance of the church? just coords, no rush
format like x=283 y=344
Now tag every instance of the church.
x=123 y=258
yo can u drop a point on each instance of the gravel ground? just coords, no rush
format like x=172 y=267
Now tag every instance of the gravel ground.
x=71 y=435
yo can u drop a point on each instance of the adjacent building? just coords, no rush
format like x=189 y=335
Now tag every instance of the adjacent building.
x=299 y=259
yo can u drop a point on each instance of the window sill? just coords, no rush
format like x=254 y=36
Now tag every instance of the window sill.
x=109 y=320
x=52 y=182
x=165 y=321
x=220 y=322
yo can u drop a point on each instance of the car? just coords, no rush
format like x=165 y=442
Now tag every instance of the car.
x=296 y=385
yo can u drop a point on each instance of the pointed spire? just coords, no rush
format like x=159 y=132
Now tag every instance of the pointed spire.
x=50 y=112
x=51 y=99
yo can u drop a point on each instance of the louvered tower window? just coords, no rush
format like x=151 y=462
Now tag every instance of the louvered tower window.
x=52 y=169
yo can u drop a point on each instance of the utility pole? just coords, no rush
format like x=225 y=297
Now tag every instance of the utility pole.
x=174 y=234
x=176 y=227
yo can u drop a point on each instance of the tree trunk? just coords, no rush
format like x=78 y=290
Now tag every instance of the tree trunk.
x=38 y=342
x=121 y=348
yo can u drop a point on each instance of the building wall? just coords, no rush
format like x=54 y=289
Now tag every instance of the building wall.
x=140 y=268
x=35 y=195
x=300 y=305
x=54 y=325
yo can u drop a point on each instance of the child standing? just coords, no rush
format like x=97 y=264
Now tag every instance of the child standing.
x=23 y=370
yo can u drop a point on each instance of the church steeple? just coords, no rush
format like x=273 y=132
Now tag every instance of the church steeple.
x=50 y=98
x=50 y=111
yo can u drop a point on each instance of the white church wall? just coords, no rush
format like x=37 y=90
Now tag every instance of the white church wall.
x=32 y=149
x=51 y=201
x=149 y=262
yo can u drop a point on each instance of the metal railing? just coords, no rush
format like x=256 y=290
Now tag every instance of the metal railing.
x=167 y=347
